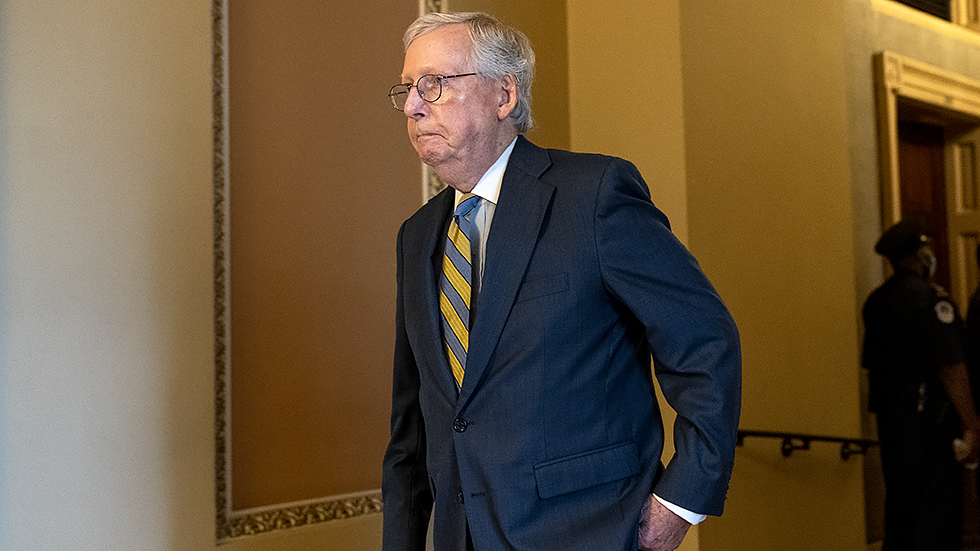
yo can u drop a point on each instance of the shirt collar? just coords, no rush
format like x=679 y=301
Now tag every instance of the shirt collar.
x=489 y=185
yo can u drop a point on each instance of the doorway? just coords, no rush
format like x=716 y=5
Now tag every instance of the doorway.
x=938 y=182
x=922 y=184
x=929 y=150
x=929 y=155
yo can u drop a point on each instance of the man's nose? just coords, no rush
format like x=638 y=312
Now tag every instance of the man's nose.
x=415 y=106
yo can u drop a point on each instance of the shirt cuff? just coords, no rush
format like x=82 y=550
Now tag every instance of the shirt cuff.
x=689 y=516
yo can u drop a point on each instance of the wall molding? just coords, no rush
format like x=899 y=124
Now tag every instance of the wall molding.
x=231 y=524
x=960 y=28
x=951 y=101
x=899 y=77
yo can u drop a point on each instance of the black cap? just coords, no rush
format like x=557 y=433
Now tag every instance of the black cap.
x=902 y=239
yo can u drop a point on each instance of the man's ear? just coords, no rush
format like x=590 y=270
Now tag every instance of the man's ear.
x=508 y=96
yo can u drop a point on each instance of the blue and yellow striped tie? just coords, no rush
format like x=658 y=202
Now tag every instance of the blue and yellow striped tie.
x=455 y=287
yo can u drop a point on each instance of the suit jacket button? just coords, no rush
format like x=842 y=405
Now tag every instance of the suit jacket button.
x=459 y=425
x=459 y=496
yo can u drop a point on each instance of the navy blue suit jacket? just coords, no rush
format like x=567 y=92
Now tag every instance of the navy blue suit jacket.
x=555 y=439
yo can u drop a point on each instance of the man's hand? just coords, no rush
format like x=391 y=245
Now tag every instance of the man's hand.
x=957 y=383
x=966 y=448
x=660 y=528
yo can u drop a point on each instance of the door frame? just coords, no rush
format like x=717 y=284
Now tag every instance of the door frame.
x=952 y=100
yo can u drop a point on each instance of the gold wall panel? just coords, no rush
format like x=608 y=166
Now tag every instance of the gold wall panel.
x=313 y=176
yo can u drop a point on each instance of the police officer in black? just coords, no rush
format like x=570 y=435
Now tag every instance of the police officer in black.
x=973 y=349
x=919 y=391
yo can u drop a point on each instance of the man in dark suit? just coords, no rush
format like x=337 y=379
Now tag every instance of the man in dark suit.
x=529 y=421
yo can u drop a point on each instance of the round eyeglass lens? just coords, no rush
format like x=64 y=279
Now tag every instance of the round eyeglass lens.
x=399 y=95
x=430 y=88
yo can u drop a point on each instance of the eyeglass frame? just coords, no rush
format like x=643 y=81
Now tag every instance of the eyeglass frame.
x=408 y=90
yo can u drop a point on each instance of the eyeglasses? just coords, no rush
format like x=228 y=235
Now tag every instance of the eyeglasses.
x=429 y=88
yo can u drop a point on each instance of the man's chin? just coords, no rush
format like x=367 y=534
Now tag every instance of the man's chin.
x=430 y=157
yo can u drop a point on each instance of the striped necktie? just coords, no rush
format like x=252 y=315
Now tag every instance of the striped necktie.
x=455 y=286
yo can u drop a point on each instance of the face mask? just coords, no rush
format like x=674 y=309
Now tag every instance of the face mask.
x=930 y=261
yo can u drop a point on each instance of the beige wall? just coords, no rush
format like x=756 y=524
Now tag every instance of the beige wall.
x=769 y=194
x=543 y=21
x=107 y=262
x=106 y=438
x=631 y=105
x=757 y=146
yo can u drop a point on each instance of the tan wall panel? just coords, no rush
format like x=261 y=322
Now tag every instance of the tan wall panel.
x=766 y=126
x=626 y=93
x=544 y=24
x=322 y=174
x=106 y=348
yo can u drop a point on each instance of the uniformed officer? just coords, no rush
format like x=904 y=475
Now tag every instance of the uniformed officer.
x=973 y=351
x=919 y=391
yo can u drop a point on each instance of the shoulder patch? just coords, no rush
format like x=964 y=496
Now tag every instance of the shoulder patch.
x=945 y=312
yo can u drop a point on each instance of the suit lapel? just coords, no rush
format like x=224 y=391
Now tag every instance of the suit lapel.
x=423 y=263
x=517 y=219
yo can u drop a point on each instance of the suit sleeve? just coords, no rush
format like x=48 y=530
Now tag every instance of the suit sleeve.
x=405 y=484
x=693 y=338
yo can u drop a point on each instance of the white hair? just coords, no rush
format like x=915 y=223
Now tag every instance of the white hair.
x=498 y=49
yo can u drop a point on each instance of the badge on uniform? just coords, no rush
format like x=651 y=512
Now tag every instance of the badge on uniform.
x=945 y=312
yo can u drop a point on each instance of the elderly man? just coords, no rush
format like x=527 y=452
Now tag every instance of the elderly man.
x=532 y=295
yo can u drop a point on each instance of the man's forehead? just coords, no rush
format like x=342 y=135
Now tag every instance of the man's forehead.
x=439 y=51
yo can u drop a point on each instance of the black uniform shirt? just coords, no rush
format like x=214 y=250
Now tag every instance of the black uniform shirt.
x=912 y=329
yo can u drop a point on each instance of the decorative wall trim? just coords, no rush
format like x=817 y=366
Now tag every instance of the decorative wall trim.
x=966 y=13
x=431 y=184
x=952 y=101
x=220 y=177
x=897 y=77
x=958 y=29
x=232 y=524
x=268 y=519
x=430 y=6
